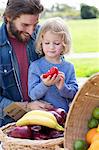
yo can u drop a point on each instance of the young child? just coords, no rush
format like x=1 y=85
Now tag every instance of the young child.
x=53 y=42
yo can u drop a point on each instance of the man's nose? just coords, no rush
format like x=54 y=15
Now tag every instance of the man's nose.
x=30 y=30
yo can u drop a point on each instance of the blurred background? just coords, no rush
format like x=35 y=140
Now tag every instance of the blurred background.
x=82 y=17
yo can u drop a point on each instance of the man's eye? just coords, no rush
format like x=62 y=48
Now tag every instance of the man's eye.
x=25 y=25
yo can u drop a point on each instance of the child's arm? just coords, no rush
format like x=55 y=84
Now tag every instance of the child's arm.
x=67 y=89
x=36 y=88
x=37 y=84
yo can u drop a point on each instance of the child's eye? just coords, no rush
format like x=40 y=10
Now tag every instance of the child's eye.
x=56 y=43
x=46 y=43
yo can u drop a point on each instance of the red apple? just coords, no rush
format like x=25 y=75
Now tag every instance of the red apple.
x=36 y=128
x=21 y=132
x=58 y=117
x=39 y=136
x=62 y=113
x=56 y=134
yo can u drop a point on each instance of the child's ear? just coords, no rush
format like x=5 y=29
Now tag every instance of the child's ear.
x=8 y=19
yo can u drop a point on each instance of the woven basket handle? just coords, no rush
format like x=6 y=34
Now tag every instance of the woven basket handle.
x=2 y=136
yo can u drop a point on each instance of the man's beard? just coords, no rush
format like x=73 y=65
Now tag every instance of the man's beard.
x=18 y=34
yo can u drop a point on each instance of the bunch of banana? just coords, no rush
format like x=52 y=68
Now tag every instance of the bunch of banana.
x=40 y=117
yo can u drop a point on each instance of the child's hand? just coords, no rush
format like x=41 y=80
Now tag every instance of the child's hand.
x=50 y=80
x=59 y=84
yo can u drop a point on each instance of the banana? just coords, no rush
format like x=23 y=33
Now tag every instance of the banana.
x=41 y=113
x=39 y=120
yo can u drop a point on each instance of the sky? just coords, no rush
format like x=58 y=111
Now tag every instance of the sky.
x=74 y=3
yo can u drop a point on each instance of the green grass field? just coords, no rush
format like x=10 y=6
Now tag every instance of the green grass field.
x=85 y=35
x=85 y=67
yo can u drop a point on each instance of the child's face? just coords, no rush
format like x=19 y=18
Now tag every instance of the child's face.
x=52 y=45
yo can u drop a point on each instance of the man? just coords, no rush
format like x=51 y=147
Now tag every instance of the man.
x=17 y=51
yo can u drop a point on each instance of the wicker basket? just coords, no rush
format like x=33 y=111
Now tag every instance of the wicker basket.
x=80 y=111
x=9 y=143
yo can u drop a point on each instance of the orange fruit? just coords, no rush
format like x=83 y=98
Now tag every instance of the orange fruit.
x=94 y=145
x=90 y=134
x=95 y=137
x=98 y=128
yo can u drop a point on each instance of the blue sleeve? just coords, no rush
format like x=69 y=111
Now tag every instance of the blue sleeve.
x=36 y=88
x=4 y=102
x=70 y=87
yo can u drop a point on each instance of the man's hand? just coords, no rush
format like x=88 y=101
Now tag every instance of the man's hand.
x=23 y=105
x=41 y=105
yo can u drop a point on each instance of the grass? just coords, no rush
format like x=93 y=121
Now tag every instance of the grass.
x=85 y=35
x=85 y=67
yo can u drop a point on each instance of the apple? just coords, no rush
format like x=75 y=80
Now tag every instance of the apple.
x=39 y=136
x=23 y=132
x=58 y=117
x=56 y=134
x=61 y=112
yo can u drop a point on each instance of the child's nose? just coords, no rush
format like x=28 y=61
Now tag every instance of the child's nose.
x=51 y=46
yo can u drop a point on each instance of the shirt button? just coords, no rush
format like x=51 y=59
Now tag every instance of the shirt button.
x=5 y=70
x=9 y=52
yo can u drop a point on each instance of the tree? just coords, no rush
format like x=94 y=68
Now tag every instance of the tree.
x=88 y=12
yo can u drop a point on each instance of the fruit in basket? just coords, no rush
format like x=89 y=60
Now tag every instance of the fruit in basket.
x=92 y=123
x=51 y=72
x=36 y=128
x=59 y=118
x=95 y=113
x=39 y=133
x=39 y=136
x=20 y=132
x=80 y=145
x=39 y=113
x=47 y=119
x=90 y=134
x=98 y=128
x=55 y=134
x=95 y=137
x=61 y=113
x=94 y=145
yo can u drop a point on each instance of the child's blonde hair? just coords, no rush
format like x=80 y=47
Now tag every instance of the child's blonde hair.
x=57 y=26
